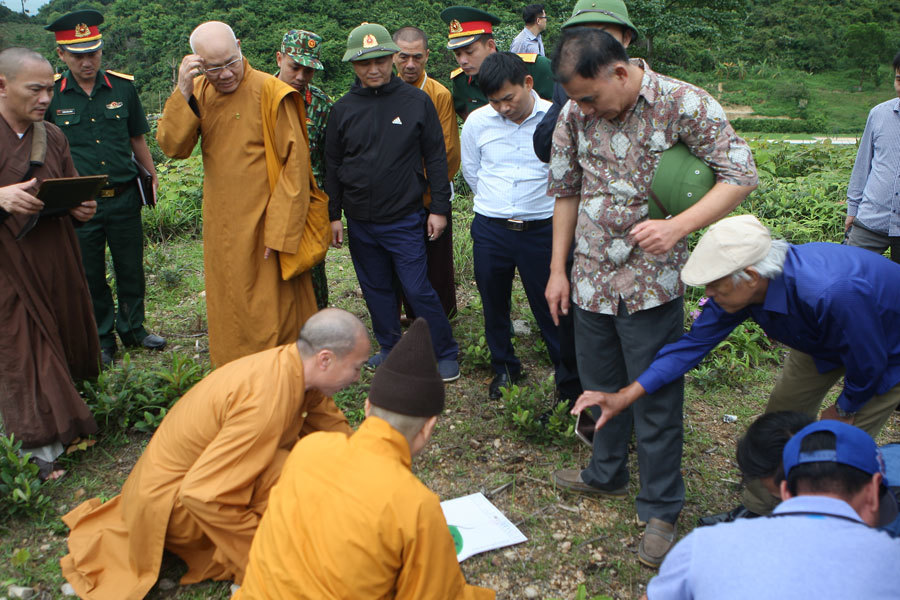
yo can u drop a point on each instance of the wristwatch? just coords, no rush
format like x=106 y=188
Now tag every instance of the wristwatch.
x=843 y=413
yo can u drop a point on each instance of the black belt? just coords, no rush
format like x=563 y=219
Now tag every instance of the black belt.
x=519 y=224
x=113 y=190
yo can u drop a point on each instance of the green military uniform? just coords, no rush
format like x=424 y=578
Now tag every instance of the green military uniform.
x=304 y=47
x=99 y=127
x=468 y=25
x=467 y=95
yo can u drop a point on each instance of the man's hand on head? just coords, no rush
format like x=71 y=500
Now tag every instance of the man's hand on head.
x=18 y=198
x=191 y=67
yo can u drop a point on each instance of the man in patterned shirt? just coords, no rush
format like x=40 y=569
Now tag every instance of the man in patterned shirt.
x=298 y=62
x=625 y=284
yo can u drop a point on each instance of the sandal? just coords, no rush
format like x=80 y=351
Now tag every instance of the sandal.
x=48 y=471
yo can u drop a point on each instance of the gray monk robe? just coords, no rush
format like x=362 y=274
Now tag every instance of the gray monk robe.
x=47 y=330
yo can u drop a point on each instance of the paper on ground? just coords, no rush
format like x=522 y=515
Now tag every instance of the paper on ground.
x=480 y=525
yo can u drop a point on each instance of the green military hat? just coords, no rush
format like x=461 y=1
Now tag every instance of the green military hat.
x=601 y=11
x=303 y=47
x=466 y=24
x=78 y=31
x=681 y=179
x=369 y=40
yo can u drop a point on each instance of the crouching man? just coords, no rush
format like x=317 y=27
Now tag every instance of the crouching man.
x=349 y=519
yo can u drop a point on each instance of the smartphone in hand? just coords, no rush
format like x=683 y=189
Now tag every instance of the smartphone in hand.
x=585 y=427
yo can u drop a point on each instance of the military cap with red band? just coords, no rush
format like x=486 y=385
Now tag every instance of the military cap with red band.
x=466 y=24
x=78 y=31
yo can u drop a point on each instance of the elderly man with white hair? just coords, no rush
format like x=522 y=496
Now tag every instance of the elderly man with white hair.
x=257 y=191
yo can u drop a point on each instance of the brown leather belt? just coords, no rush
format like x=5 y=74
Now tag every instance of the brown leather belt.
x=113 y=190
x=519 y=224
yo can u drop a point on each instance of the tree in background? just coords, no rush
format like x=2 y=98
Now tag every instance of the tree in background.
x=867 y=48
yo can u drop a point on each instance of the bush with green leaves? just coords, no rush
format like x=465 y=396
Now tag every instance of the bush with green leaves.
x=179 y=207
x=20 y=486
x=533 y=412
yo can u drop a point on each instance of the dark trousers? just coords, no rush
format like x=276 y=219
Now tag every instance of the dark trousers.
x=498 y=252
x=440 y=271
x=378 y=251
x=612 y=352
x=567 y=381
x=118 y=225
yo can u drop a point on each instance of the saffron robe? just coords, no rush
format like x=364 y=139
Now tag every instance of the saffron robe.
x=348 y=519
x=249 y=306
x=47 y=329
x=203 y=482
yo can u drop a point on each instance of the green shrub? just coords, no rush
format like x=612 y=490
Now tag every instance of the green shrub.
x=179 y=207
x=20 y=486
x=534 y=414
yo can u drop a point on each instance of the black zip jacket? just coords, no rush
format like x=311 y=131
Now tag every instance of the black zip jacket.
x=378 y=144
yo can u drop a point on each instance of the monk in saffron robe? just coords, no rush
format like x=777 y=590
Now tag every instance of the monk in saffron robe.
x=47 y=331
x=203 y=482
x=249 y=124
x=348 y=519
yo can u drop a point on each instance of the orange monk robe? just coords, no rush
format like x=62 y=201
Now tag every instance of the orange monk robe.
x=443 y=103
x=249 y=306
x=203 y=482
x=348 y=519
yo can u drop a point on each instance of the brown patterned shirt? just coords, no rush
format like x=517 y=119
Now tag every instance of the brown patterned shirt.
x=610 y=164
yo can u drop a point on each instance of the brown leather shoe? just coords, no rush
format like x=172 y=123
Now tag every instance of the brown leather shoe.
x=570 y=479
x=659 y=537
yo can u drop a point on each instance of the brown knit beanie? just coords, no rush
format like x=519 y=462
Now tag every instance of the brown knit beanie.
x=408 y=382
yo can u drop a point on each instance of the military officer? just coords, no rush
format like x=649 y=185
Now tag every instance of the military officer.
x=298 y=61
x=471 y=39
x=99 y=112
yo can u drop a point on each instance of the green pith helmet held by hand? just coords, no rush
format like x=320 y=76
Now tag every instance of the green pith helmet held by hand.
x=369 y=40
x=601 y=11
x=303 y=47
x=681 y=179
x=466 y=24
x=79 y=31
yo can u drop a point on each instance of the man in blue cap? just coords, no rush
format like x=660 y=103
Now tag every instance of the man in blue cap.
x=101 y=115
x=818 y=543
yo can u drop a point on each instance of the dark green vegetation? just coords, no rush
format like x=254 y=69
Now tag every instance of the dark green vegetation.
x=498 y=447
x=781 y=57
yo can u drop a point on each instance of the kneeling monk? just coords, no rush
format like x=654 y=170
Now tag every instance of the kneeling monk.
x=203 y=482
x=348 y=518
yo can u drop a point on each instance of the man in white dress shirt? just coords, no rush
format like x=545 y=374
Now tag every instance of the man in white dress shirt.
x=513 y=224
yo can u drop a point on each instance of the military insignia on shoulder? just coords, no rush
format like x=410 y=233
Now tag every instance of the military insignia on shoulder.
x=82 y=30
x=57 y=77
x=529 y=58
x=121 y=75
x=455 y=72
x=369 y=41
x=113 y=105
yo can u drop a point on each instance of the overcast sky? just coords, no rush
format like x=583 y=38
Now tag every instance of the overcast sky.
x=30 y=5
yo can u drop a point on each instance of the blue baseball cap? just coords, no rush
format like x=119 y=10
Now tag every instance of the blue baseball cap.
x=853 y=447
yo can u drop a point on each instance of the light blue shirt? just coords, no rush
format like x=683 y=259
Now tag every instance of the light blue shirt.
x=873 y=195
x=828 y=555
x=499 y=164
x=527 y=43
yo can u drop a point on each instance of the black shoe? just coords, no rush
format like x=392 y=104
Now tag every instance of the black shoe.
x=153 y=342
x=106 y=357
x=738 y=512
x=502 y=380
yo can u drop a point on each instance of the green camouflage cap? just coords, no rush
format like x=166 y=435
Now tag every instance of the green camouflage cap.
x=78 y=31
x=467 y=24
x=369 y=40
x=303 y=47
x=681 y=179
x=601 y=11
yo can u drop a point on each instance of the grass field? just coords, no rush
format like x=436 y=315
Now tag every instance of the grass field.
x=478 y=446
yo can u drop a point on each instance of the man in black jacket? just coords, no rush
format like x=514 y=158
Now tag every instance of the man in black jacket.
x=382 y=137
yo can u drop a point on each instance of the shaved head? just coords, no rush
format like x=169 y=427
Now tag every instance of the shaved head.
x=213 y=37
x=12 y=61
x=332 y=329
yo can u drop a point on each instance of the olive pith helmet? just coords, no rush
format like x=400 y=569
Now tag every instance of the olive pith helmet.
x=369 y=40
x=681 y=179
x=601 y=11
x=78 y=31
x=467 y=24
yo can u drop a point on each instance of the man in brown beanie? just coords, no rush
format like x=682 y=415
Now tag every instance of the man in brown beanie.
x=348 y=519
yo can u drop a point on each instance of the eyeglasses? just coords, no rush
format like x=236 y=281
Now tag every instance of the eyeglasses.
x=217 y=71
x=544 y=18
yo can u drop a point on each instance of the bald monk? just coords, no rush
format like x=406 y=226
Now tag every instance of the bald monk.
x=47 y=330
x=348 y=518
x=256 y=191
x=202 y=484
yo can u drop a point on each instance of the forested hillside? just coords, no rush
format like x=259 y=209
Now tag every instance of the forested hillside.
x=720 y=38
